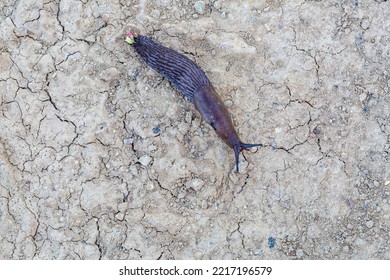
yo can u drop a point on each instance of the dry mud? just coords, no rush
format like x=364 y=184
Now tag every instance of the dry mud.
x=101 y=158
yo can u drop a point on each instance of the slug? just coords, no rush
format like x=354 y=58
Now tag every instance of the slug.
x=188 y=78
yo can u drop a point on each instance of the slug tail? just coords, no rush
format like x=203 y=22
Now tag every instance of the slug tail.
x=130 y=38
x=239 y=147
x=182 y=72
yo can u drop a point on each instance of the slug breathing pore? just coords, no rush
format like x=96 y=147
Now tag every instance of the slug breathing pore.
x=189 y=79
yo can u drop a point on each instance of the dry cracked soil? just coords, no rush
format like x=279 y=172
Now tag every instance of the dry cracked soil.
x=101 y=158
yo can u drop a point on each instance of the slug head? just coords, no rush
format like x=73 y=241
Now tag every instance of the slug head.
x=239 y=147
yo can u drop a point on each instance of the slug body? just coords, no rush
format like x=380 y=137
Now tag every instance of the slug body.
x=188 y=78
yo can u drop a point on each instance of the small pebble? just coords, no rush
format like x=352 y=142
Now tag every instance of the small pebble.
x=155 y=14
x=119 y=216
x=271 y=242
x=181 y=194
x=370 y=224
x=359 y=40
x=200 y=7
x=304 y=21
x=196 y=184
x=156 y=129
x=106 y=18
x=145 y=160
x=127 y=141
x=152 y=148
x=299 y=253
x=365 y=24
x=360 y=242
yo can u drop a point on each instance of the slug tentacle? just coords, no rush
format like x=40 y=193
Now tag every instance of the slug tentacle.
x=247 y=146
x=188 y=78
x=239 y=147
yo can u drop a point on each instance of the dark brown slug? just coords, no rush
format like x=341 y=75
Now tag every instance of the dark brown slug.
x=188 y=78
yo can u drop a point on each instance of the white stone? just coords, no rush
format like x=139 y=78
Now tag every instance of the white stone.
x=145 y=160
x=200 y=7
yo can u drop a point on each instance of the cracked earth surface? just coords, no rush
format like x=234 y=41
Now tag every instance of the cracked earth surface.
x=100 y=158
